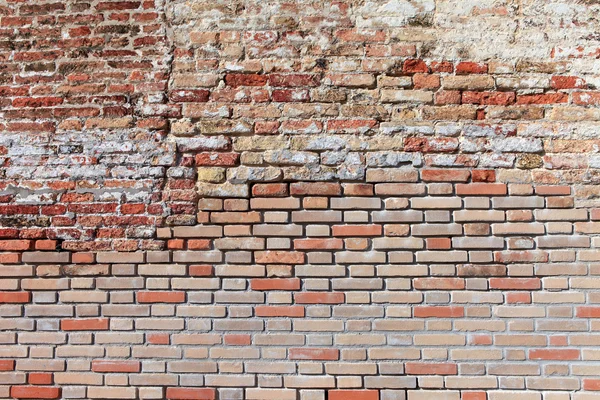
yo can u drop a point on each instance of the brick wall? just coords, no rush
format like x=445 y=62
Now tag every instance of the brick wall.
x=303 y=200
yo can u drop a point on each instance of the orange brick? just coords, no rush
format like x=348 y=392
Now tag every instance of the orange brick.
x=356 y=230
x=481 y=189
x=353 y=395
x=91 y=324
x=35 y=392
x=198 y=244
x=181 y=393
x=39 y=378
x=438 y=243
x=45 y=245
x=275 y=284
x=161 y=297
x=83 y=258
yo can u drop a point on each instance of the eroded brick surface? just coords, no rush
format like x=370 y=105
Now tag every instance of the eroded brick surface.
x=369 y=200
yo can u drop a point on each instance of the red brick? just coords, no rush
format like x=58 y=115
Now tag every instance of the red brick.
x=465 y=68
x=236 y=80
x=133 y=208
x=567 y=82
x=303 y=353
x=160 y=297
x=83 y=258
x=217 y=159
x=591 y=384
x=81 y=324
x=189 y=96
x=438 y=243
x=442 y=66
x=356 y=230
x=473 y=396
x=10 y=258
x=39 y=378
x=588 y=312
x=201 y=270
x=481 y=189
x=275 y=284
x=353 y=395
x=7 y=365
x=176 y=244
x=290 y=95
x=35 y=392
x=15 y=297
x=489 y=98
x=293 y=80
x=413 y=66
x=116 y=366
x=319 y=298
x=181 y=393
x=586 y=98
x=546 y=98
x=45 y=245
x=199 y=244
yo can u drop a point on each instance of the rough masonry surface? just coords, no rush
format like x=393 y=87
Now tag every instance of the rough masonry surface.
x=300 y=200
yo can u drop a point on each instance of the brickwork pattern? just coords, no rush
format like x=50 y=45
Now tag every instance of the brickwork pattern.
x=307 y=200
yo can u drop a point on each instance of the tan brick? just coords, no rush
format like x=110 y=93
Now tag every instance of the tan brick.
x=433 y=394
